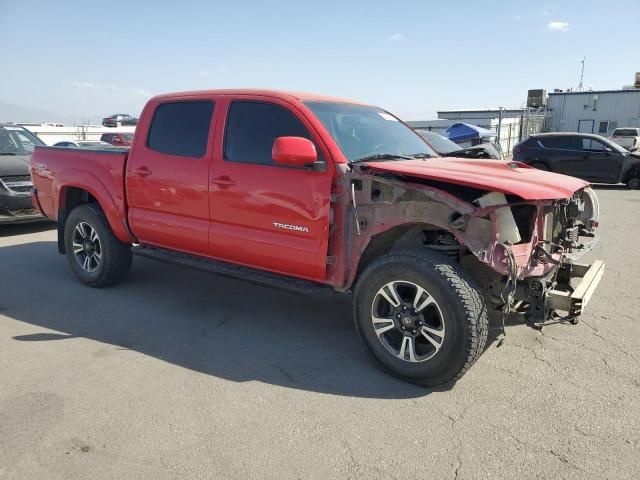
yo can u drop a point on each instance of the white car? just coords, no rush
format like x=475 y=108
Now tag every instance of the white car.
x=83 y=144
x=628 y=138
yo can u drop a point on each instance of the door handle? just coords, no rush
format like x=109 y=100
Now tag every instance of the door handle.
x=224 y=181
x=142 y=171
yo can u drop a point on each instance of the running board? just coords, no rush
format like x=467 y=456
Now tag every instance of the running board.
x=253 y=275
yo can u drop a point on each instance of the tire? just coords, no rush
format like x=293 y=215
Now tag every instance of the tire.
x=457 y=314
x=634 y=183
x=103 y=260
x=540 y=166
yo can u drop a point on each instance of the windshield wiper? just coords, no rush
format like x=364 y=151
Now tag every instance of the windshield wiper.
x=8 y=153
x=380 y=156
x=421 y=155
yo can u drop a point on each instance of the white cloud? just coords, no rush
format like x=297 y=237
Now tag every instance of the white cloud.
x=396 y=37
x=204 y=73
x=142 y=92
x=558 y=26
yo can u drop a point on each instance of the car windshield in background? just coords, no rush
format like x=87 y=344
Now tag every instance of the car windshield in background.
x=17 y=141
x=625 y=132
x=127 y=137
x=441 y=145
x=369 y=133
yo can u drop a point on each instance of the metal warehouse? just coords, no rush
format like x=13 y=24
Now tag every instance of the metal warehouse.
x=598 y=112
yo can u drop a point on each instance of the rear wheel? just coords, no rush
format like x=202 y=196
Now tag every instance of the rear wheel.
x=634 y=183
x=94 y=253
x=419 y=317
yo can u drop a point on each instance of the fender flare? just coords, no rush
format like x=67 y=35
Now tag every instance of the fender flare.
x=114 y=207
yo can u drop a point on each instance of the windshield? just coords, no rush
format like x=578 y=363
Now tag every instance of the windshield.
x=127 y=137
x=441 y=145
x=363 y=131
x=17 y=141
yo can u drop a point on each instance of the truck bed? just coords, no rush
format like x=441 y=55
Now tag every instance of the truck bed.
x=98 y=171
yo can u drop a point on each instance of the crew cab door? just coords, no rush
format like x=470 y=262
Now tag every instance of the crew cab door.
x=167 y=175
x=262 y=214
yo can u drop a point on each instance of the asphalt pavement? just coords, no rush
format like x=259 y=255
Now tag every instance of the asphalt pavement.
x=177 y=373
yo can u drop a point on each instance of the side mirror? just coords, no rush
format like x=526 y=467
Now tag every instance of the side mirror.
x=293 y=151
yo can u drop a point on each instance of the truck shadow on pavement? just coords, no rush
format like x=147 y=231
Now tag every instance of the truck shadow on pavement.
x=219 y=326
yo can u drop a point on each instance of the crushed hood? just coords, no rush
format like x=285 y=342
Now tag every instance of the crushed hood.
x=513 y=178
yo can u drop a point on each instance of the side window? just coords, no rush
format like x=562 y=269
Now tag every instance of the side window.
x=592 y=145
x=252 y=127
x=181 y=128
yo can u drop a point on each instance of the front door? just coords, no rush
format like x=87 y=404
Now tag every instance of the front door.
x=262 y=214
x=600 y=163
x=167 y=177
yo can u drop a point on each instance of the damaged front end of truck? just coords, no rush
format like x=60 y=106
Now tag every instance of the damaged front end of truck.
x=521 y=251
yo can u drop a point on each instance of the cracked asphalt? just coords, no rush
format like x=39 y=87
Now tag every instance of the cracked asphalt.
x=180 y=374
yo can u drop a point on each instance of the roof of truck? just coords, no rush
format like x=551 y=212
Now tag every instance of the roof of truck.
x=281 y=94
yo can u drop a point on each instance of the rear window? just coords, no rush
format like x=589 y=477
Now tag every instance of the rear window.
x=625 y=132
x=181 y=128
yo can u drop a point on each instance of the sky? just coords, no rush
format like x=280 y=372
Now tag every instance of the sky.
x=85 y=60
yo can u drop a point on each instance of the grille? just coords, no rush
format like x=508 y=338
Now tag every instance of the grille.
x=18 y=183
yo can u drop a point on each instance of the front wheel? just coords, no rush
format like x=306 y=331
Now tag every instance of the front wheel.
x=419 y=316
x=94 y=253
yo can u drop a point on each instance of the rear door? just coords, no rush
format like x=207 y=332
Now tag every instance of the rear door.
x=167 y=175
x=563 y=154
x=262 y=214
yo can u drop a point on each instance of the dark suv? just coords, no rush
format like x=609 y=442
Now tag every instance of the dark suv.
x=119 y=119
x=16 y=147
x=591 y=157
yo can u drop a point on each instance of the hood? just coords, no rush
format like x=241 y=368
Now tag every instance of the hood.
x=513 y=178
x=14 y=165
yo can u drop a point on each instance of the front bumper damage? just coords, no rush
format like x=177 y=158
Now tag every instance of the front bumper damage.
x=561 y=296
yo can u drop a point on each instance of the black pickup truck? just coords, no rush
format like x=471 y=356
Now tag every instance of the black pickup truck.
x=16 y=147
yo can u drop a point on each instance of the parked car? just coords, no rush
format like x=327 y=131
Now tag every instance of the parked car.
x=118 y=139
x=628 y=138
x=16 y=148
x=82 y=144
x=118 y=120
x=311 y=194
x=447 y=148
x=581 y=155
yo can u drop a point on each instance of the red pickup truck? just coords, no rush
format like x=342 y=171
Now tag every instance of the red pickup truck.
x=314 y=193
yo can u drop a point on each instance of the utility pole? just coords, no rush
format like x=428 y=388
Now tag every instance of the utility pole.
x=580 y=85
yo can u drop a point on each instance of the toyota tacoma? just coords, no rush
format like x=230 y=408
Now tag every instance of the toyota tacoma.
x=314 y=193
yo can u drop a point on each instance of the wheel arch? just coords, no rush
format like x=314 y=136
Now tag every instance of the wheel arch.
x=72 y=195
x=405 y=236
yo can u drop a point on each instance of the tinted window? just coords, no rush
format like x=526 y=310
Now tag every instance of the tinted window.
x=592 y=145
x=562 y=143
x=252 y=128
x=181 y=128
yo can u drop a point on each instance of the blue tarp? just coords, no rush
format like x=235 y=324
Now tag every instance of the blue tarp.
x=463 y=131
